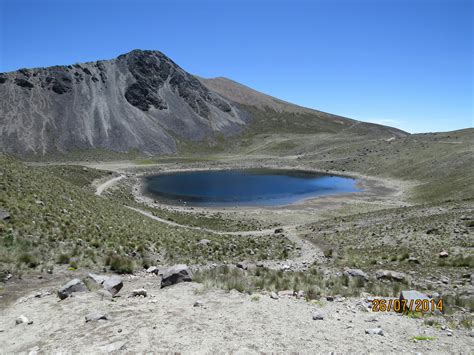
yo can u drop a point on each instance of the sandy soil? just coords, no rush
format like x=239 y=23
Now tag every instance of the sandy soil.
x=167 y=320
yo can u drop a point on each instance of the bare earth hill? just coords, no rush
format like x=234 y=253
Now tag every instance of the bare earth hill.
x=140 y=101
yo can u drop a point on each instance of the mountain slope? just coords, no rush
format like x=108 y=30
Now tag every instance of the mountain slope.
x=139 y=101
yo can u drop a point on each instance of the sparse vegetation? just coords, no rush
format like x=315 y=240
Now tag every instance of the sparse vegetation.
x=51 y=216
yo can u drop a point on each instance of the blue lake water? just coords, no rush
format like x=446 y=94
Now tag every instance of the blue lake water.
x=250 y=187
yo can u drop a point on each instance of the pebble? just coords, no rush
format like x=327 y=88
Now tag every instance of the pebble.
x=318 y=316
x=374 y=331
x=138 y=292
x=93 y=317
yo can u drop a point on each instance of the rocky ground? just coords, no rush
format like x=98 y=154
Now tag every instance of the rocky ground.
x=186 y=317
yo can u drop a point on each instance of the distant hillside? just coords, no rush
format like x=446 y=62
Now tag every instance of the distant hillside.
x=141 y=101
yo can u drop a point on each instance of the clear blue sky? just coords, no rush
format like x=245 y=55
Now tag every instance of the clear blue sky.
x=405 y=63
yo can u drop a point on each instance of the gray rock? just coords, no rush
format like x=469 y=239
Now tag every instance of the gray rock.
x=153 y=270
x=23 y=320
x=374 y=331
x=204 y=242
x=274 y=296
x=176 y=274
x=413 y=295
x=138 y=292
x=72 y=286
x=198 y=304
x=391 y=275
x=413 y=260
x=278 y=230
x=300 y=294
x=4 y=215
x=94 y=317
x=98 y=279
x=356 y=273
x=113 y=284
x=318 y=316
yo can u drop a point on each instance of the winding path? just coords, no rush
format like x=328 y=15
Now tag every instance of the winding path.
x=104 y=186
x=308 y=252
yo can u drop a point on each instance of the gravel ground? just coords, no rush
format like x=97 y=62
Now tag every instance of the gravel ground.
x=168 y=320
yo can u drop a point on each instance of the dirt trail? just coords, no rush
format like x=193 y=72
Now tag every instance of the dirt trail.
x=109 y=183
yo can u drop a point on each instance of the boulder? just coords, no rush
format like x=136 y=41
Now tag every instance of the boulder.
x=94 y=317
x=390 y=275
x=274 y=296
x=98 y=279
x=138 y=292
x=411 y=297
x=443 y=254
x=72 y=286
x=356 y=273
x=113 y=284
x=176 y=274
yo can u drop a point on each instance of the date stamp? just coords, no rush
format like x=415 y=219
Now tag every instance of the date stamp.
x=402 y=305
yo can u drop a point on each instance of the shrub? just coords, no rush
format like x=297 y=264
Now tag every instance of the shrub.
x=63 y=259
x=29 y=260
x=119 y=264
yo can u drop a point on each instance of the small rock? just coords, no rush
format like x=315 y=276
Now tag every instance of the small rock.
x=4 y=215
x=372 y=319
x=374 y=331
x=443 y=254
x=286 y=293
x=23 y=320
x=278 y=230
x=274 y=296
x=330 y=298
x=204 y=242
x=39 y=203
x=93 y=317
x=318 y=316
x=153 y=270
x=104 y=294
x=138 y=292
x=300 y=294
x=72 y=286
x=390 y=275
x=356 y=273
x=113 y=284
x=413 y=260
x=198 y=304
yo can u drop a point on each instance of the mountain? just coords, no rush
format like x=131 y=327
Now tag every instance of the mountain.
x=141 y=101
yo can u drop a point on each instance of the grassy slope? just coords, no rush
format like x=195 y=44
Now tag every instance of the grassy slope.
x=54 y=220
